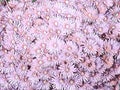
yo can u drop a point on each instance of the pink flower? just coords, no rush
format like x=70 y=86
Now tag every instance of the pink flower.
x=55 y=45
x=71 y=83
x=90 y=46
x=59 y=45
x=79 y=38
x=70 y=47
x=82 y=75
x=95 y=77
x=58 y=82
x=14 y=79
x=67 y=70
x=90 y=64
x=3 y=83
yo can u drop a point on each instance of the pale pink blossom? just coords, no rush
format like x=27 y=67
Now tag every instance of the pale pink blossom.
x=59 y=44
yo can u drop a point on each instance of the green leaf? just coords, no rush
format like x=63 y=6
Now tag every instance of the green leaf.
x=0 y=0
x=4 y=0
x=34 y=0
x=7 y=0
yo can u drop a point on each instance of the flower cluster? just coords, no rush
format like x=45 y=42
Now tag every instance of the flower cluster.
x=60 y=45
